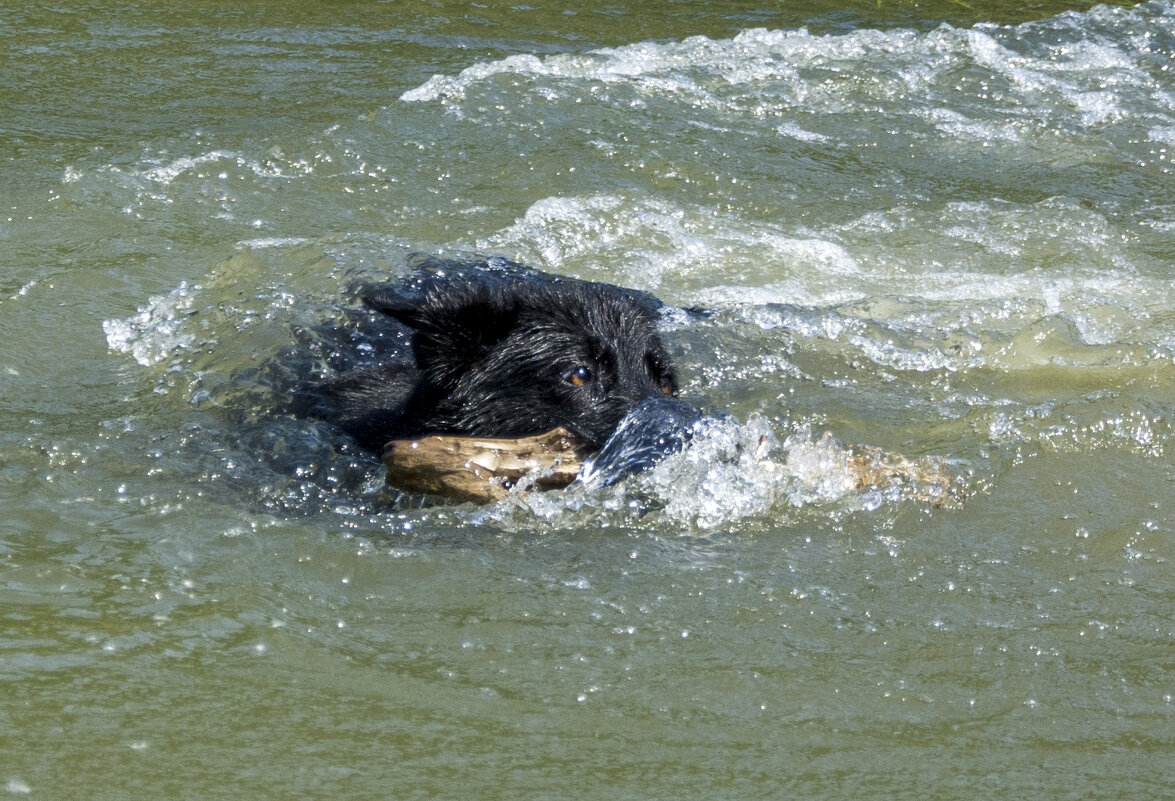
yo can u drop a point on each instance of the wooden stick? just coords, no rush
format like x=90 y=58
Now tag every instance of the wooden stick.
x=483 y=470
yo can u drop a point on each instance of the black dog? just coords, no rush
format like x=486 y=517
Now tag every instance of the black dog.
x=501 y=350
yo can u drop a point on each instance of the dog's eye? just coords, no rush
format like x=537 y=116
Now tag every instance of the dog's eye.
x=578 y=376
x=663 y=377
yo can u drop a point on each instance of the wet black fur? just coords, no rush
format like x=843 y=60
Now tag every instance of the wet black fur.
x=501 y=350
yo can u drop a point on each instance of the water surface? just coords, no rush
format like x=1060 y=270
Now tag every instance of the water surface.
x=943 y=230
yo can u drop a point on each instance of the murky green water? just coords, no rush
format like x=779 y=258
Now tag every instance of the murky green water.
x=954 y=242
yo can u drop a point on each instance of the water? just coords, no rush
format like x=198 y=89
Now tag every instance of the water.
x=942 y=231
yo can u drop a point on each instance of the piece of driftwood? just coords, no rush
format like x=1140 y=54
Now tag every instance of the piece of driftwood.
x=926 y=480
x=481 y=469
x=484 y=469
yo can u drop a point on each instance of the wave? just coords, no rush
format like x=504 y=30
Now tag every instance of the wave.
x=1074 y=70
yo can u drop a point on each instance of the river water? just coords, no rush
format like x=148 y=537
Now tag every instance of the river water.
x=946 y=231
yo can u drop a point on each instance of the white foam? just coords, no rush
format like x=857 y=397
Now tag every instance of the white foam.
x=265 y=242
x=738 y=471
x=1164 y=134
x=17 y=786
x=731 y=472
x=643 y=240
x=156 y=332
x=165 y=173
x=1094 y=68
x=667 y=69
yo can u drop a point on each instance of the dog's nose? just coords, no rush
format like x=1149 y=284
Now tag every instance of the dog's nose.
x=656 y=428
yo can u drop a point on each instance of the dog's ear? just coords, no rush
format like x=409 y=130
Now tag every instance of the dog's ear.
x=454 y=325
